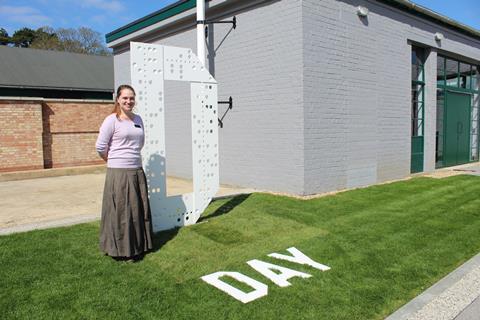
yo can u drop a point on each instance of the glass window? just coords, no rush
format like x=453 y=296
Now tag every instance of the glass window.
x=439 y=131
x=475 y=78
x=418 y=56
x=464 y=75
x=451 y=72
x=440 y=71
x=417 y=64
x=417 y=110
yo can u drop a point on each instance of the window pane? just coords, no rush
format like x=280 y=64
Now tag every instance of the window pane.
x=475 y=78
x=417 y=110
x=416 y=73
x=464 y=75
x=439 y=131
x=452 y=73
x=440 y=70
x=417 y=64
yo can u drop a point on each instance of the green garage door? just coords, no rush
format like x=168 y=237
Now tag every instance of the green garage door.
x=457 y=128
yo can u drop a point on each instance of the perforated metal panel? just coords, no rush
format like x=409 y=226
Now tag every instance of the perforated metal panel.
x=151 y=65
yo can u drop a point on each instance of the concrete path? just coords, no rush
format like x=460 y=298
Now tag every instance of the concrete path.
x=456 y=296
x=65 y=200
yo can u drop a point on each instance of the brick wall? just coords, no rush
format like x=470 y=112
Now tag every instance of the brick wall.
x=20 y=136
x=70 y=132
x=49 y=134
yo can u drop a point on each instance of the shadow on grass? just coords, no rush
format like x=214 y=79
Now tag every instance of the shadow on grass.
x=227 y=207
x=161 y=238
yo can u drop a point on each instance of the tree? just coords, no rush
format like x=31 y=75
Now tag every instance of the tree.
x=23 y=37
x=82 y=40
x=46 y=38
x=4 y=38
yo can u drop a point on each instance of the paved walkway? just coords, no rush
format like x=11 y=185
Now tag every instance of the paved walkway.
x=65 y=200
x=36 y=204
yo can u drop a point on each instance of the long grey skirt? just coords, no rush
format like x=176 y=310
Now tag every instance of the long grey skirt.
x=126 y=225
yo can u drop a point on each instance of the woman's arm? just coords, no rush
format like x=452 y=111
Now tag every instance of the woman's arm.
x=105 y=137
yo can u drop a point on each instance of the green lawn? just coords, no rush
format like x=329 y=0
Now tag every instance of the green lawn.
x=385 y=244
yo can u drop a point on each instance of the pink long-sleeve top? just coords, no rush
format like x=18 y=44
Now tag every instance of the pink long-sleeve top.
x=122 y=140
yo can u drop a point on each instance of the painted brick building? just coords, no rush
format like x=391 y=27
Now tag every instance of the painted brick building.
x=51 y=106
x=327 y=96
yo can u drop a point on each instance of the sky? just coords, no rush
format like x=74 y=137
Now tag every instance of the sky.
x=105 y=16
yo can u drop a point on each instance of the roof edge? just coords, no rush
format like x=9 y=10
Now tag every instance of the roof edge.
x=56 y=88
x=160 y=15
x=184 y=5
x=431 y=15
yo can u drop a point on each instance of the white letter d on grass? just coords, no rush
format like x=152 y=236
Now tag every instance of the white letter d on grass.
x=260 y=289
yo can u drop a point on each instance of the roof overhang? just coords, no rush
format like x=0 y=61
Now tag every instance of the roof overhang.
x=55 y=88
x=433 y=16
x=168 y=19
x=185 y=9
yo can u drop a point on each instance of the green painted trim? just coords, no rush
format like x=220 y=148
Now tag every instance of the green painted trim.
x=456 y=88
x=460 y=90
x=163 y=14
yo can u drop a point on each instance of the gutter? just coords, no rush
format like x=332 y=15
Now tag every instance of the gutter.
x=185 y=5
x=423 y=12
x=55 y=88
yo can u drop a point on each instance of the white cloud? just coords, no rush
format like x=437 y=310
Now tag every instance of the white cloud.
x=109 y=5
x=25 y=15
x=100 y=19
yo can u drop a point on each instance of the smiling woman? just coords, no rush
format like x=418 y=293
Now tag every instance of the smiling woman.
x=126 y=229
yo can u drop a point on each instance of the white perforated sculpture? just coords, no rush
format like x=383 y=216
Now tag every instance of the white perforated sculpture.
x=151 y=65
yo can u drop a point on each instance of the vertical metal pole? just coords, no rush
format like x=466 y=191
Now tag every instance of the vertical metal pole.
x=201 y=31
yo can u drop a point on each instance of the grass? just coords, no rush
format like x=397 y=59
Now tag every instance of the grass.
x=385 y=245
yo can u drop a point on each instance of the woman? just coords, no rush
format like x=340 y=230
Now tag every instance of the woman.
x=126 y=228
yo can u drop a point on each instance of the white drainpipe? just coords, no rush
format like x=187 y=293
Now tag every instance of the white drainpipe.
x=201 y=31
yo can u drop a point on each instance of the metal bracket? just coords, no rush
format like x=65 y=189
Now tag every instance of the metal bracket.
x=230 y=106
x=233 y=22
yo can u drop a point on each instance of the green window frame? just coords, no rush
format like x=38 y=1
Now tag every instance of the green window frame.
x=418 y=91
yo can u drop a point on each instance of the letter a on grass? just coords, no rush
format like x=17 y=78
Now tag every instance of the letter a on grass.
x=300 y=258
x=280 y=279
x=259 y=291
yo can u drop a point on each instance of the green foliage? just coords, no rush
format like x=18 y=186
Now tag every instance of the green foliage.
x=4 y=38
x=23 y=37
x=81 y=40
x=47 y=39
x=385 y=245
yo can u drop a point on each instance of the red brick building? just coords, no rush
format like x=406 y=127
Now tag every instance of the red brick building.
x=51 y=106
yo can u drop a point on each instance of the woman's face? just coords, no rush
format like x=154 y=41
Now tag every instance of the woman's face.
x=126 y=100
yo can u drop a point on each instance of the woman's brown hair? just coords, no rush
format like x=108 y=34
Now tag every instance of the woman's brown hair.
x=116 y=108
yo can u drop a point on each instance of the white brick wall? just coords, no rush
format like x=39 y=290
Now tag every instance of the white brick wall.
x=260 y=65
x=357 y=101
x=321 y=97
